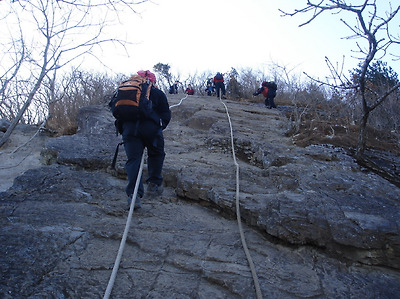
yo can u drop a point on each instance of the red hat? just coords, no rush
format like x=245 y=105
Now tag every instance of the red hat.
x=147 y=74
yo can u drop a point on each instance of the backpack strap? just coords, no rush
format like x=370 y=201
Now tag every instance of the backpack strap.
x=149 y=89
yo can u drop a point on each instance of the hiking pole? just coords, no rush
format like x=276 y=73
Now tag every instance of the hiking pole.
x=123 y=241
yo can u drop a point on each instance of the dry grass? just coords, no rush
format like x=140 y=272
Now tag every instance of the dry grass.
x=383 y=150
x=312 y=132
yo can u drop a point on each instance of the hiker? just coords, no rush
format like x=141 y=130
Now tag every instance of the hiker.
x=189 y=90
x=268 y=90
x=210 y=89
x=173 y=89
x=219 y=84
x=146 y=132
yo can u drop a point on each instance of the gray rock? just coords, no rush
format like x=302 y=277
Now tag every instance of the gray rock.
x=61 y=230
x=317 y=224
x=91 y=148
x=4 y=124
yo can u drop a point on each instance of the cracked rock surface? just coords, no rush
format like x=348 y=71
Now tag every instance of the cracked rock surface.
x=316 y=224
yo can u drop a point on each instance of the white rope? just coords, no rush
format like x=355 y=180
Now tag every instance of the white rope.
x=180 y=102
x=242 y=237
x=123 y=241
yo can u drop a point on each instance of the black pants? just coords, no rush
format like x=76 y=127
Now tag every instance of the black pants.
x=134 y=145
x=220 y=86
x=269 y=102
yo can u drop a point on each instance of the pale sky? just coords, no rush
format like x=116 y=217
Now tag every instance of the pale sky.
x=216 y=35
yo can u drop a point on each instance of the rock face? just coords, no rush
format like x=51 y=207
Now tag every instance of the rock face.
x=316 y=224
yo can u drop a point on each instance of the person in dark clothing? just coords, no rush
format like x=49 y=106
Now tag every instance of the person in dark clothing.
x=268 y=89
x=147 y=132
x=219 y=84
x=174 y=88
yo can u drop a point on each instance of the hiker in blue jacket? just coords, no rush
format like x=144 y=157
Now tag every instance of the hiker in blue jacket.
x=210 y=87
x=147 y=133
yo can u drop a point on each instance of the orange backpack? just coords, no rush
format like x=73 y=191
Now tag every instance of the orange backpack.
x=125 y=105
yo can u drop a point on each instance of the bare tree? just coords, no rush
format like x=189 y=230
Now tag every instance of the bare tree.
x=52 y=34
x=164 y=75
x=373 y=32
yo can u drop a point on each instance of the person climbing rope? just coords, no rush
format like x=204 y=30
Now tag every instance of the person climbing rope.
x=146 y=132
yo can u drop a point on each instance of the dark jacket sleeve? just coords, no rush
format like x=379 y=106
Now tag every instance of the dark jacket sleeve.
x=258 y=91
x=161 y=113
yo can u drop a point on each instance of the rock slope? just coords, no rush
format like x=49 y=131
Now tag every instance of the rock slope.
x=317 y=224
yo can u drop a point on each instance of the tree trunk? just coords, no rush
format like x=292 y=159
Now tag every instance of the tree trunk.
x=14 y=123
x=23 y=109
x=362 y=135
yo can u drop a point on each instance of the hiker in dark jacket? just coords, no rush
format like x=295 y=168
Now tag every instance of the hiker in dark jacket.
x=147 y=133
x=173 y=89
x=219 y=84
x=268 y=89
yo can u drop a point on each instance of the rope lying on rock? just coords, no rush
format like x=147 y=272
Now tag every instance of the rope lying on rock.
x=239 y=220
x=124 y=236
x=180 y=102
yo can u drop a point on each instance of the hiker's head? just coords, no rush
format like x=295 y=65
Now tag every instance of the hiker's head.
x=147 y=74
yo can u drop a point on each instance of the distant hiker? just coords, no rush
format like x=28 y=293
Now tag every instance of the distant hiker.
x=210 y=89
x=189 y=90
x=219 y=84
x=173 y=89
x=145 y=131
x=268 y=90
x=233 y=87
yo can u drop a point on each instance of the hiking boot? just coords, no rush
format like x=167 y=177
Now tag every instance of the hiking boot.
x=137 y=203
x=154 y=190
